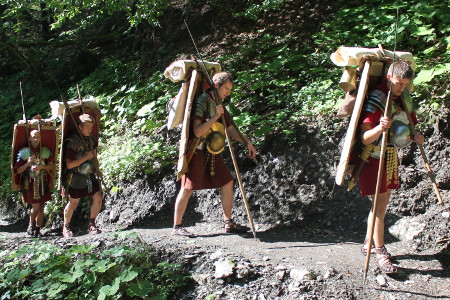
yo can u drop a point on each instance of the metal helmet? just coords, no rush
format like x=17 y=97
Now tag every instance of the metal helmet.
x=86 y=168
x=215 y=141
x=400 y=134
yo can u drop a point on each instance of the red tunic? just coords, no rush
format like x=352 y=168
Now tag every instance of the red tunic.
x=369 y=174
x=199 y=175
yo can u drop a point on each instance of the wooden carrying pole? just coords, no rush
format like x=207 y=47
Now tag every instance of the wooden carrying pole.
x=422 y=152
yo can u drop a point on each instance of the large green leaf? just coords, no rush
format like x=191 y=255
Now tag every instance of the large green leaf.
x=56 y=288
x=427 y=75
x=83 y=248
x=141 y=288
x=262 y=130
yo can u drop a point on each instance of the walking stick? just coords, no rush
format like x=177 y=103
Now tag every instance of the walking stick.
x=387 y=113
x=24 y=117
x=218 y=101
x=422 y=152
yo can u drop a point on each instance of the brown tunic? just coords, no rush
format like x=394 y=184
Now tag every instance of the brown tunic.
x=71 y=154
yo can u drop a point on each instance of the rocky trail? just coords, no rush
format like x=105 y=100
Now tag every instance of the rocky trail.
x=282 y=263
x=309 y=231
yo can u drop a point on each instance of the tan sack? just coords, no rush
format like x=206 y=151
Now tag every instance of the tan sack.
x=346 y=108
x=176 y=105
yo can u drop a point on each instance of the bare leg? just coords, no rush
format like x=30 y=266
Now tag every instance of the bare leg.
x=40 y=214
x=180 y=205
x=378 y=234
x=226 y=196
x=96 y=205
x=34 y=212
x=68 y=210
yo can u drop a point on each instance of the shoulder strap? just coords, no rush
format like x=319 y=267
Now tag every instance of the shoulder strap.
x=74 y=143
x=408 y=100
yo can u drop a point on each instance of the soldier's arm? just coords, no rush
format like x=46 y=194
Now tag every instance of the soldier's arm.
x=235 y=135
x=201 y=129
x=370 y=134
x=70 y=164
x=22 y=168
x=47 y=167
x=419 y=138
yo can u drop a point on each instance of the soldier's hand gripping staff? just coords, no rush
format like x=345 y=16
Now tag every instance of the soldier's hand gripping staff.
x=80 y=151
x=33 y=163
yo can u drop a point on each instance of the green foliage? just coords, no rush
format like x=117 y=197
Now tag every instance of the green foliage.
x=132 y=155
x=257 y=8
x=82 y=14
x=45 y=271
x=280 y=78
x=133 y=116
x=287 y=84
x=423 y=29
x=428 y=75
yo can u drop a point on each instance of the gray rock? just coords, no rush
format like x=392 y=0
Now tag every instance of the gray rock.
x=381 y=281
x=216 y=255
x=224 y=268
x=200 y=278
x=407 y=229
x=280 y=274
x=300 y=274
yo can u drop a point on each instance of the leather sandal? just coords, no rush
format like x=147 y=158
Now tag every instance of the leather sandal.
x=232 y=227
x=372 y=250
x=37 y=232
x=93 y=228
x=66 y=231
x=384 y=262
x=181 y=230
x=31 y=228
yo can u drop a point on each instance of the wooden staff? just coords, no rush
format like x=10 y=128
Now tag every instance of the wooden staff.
x=218 y=101
x=387 y=113
x=80 y=99
x=422 y=152
x=24 y=117
x=41 y=174
x=238 y=174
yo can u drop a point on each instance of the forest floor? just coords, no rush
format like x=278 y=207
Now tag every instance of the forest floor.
x=281 y=263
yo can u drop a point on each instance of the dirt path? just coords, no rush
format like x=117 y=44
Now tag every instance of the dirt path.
x=335 y=264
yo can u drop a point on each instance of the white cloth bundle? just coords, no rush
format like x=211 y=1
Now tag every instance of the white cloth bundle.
x=350 y=56
x=179 y=70
x=58 y=107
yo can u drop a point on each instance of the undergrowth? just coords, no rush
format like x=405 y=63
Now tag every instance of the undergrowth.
x=41 y=270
